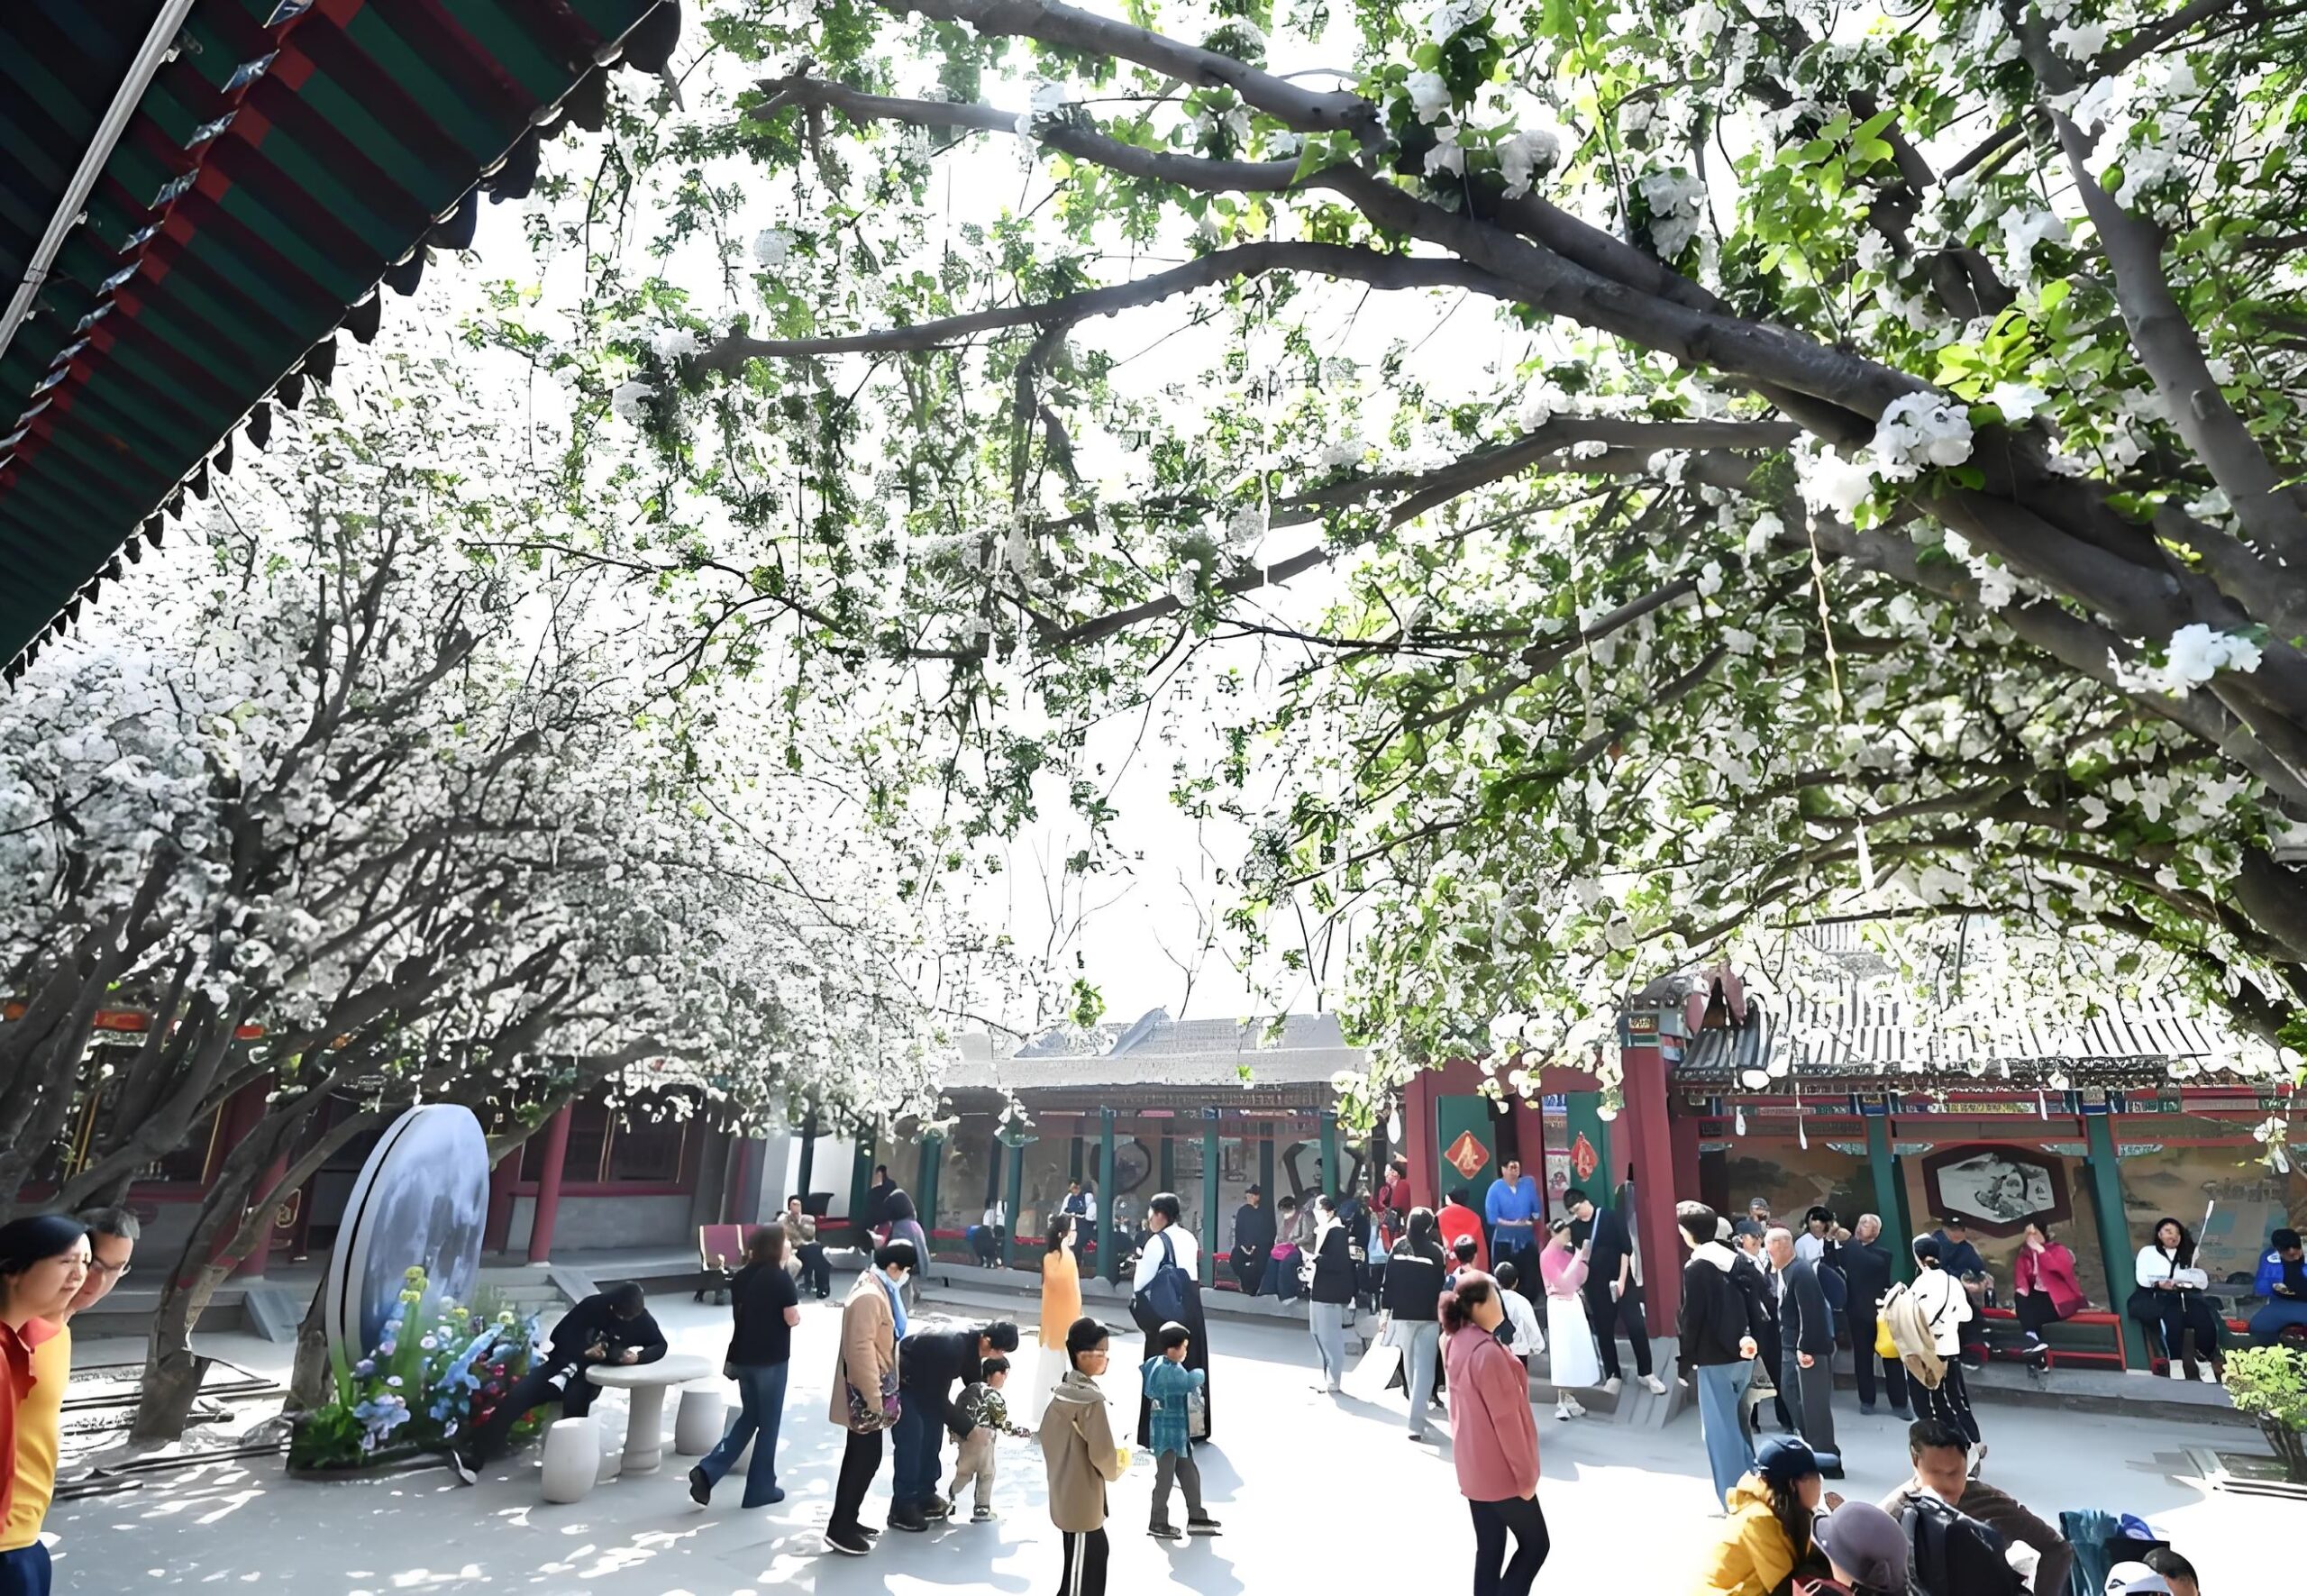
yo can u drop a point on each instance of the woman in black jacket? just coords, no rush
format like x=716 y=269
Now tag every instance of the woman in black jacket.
x=1414 y=1271
x=1722 y=1323
x=1330 y=1290
x=767 y=1305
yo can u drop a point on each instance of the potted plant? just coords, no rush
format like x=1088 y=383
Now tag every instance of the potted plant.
x=415 y=1390
x=2270 y=1384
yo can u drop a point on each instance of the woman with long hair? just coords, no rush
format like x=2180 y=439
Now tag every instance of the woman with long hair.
x=2170 y=1301
x=1080 y=1459
x=766 y=1304
x=1329 y=1290
x=1061 y=1306
x=1414 y=1271
x=1944 y=1305
x=1768 y=1538
x=1572 y=1359
x=2043 y=1287
x=44 y=1263
x=1493 y=1439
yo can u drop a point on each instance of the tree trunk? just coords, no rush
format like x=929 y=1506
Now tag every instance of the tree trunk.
x=312 y=1383
x=171 y=1368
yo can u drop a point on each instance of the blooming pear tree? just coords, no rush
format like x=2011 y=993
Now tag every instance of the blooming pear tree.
x=358 y=812
x=1878 y=492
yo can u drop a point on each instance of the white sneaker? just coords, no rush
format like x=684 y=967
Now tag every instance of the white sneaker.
x=1651 y=1383
x=1610 y=1386
x=1576 y=1411
x=2209 y=1376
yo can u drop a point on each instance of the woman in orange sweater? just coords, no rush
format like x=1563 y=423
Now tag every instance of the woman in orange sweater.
x=1061 y=1306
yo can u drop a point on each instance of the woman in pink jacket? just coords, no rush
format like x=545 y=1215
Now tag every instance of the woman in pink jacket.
x=2042 y=1286
x=1494 y=1438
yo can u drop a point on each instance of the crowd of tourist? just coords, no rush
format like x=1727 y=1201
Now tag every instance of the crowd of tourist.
x=1471 y=1299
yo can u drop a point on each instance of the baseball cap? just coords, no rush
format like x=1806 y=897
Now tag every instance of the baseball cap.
x=2135 y=1578
x=1782 y=1460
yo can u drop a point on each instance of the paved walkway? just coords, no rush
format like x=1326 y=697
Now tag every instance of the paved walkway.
x=1317 y=1495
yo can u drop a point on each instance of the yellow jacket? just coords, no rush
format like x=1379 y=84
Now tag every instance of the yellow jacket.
x=1752 y=1554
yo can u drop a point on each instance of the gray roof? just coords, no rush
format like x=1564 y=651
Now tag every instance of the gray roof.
x=1156 y=1049
x=1863 y=1032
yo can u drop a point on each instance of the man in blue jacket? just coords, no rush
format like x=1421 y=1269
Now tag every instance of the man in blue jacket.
x=2283 y=1282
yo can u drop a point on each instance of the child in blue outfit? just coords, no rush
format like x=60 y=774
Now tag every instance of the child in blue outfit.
x=1168 y=1384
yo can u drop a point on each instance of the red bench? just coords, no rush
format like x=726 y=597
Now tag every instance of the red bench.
x=2091 y=1336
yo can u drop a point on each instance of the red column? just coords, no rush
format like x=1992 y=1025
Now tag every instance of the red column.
x=502 y=1179
x=251 y=1265
x=1417 y=1138
x=1650 y=1150
x=556 y=1154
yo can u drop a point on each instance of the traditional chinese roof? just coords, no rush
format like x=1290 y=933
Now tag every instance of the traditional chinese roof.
x=1156 y=1051
x=254 y=172
x=1863 y=1032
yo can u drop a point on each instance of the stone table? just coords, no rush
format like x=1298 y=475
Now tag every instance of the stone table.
x=644 y=1437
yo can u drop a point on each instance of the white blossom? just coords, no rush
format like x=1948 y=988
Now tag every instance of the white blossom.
x=1918 y=432
x=2194 y=654
x=1523 y=156
x=772 y=245
x=1675 y=198
x=673 y=344
x=2019 y=402
x=631 y=400
x=1429 y=96
x=1446 y=156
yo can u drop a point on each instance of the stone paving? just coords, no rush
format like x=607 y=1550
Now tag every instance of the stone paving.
x=1315 y=1494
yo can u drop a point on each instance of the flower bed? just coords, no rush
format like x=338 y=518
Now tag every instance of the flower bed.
x=412 y=1396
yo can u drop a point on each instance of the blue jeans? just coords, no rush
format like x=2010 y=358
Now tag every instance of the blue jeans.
x=24 y=1571
x=761 y=1389
x=1417 y=1358
x=1728 y=1452
x=919 y=1436
x=2270 y=1322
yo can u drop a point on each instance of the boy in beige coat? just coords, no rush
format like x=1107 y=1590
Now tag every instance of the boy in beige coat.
x=1079 y=1453
x=865 y=1389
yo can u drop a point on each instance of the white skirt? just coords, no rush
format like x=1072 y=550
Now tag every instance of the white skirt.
x=1049 y=1368
x=1570 y=1341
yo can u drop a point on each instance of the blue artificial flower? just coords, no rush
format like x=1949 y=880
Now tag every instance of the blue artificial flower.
x=430 y=1343
x=365 y=1367
x=393 y=1381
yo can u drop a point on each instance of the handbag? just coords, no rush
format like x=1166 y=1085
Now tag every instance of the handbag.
x=865 y=1418
x=1884 y=1347
x=1163 y=1298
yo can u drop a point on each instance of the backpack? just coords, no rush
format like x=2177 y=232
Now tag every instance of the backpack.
x=1910 y=1331
x=1164 y=1296
x=1951 y=1553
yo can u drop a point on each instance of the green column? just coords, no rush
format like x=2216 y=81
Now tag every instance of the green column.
x=861 y=1182
x=1266 y=1166
x=1895 y=1240
x=1209 y=1170
x=933 y=1164
x=1073 y=1160
x=1105 y=1192
x=2114 y=1233
x=1166 y=1162
x=1016 y=1145
x=1329 y=1151
x=808 y=1155
x=1583 y=1117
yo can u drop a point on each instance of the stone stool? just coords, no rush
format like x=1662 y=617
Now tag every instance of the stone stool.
x=698 y=1423
x=572 y=1458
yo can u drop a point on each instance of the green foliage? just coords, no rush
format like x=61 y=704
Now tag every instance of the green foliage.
x=2269 y=1383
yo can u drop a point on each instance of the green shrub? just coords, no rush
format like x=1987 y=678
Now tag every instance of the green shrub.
x=2270 y=1382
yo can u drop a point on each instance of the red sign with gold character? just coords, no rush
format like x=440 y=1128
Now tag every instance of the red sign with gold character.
x=1467 y=1154
x=1583 y=1158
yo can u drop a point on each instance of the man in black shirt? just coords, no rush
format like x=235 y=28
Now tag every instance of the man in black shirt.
x=1613 y=1299
x=931 y=1363
x=1253 y=1233
x=1866 y=1266
x=611 y=1326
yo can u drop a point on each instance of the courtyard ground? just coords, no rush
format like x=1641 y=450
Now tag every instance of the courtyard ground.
x=1317 y=1494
